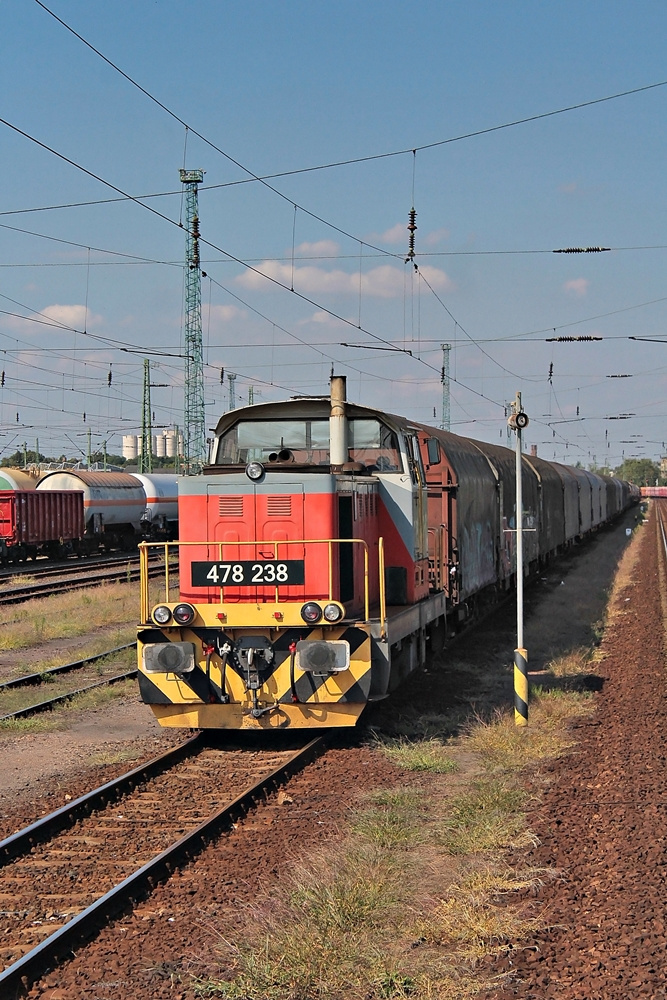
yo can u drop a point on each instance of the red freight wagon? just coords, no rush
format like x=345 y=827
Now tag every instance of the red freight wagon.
x=32 y=522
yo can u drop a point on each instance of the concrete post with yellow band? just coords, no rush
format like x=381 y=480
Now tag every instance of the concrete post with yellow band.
x=521 y=687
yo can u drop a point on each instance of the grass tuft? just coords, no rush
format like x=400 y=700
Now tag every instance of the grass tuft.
x=418 y=755
x=487 y=817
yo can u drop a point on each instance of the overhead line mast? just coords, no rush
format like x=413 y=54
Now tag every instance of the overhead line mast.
x=194 y=429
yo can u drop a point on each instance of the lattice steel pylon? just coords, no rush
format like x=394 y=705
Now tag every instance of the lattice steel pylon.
x=194 y=429
x=145 y=462
x=445 y=424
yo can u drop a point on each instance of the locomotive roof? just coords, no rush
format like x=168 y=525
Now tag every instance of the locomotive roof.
x=316 y=407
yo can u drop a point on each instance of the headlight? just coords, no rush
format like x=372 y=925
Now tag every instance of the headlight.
x=254 y=470
x=184 y=614
x=311 y=612
x=161 y=614
x=333 y=612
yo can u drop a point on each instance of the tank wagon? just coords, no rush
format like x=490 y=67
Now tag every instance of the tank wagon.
x=80 y=512
x=113 y=504
x=16 y=479
x=323 y=545
x=160 y=516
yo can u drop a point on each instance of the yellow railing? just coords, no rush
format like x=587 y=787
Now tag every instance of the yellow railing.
x=169 y=547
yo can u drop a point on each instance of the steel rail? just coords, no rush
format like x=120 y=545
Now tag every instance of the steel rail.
x=61 y=699
x=43 y=829
x=86 y=924
x=49 y=567
x=129 y=573
x=37 y=678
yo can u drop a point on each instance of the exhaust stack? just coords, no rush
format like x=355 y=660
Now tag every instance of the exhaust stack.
x=338 y=421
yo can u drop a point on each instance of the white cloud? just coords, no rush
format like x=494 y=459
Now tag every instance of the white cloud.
x=385 y=281
x=577 y=287
x=437 y=236
x=396 y=234
x=322 y=318
x=225 y=314
x=79 y=317
x=322 y=248
x=74 y=317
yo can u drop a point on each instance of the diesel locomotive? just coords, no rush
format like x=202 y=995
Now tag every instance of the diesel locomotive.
x=323 y=544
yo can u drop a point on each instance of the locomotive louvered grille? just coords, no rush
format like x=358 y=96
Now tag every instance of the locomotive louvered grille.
x=230 y=507
x=279 y=506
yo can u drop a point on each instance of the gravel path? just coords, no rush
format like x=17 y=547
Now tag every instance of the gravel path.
x=602 y=825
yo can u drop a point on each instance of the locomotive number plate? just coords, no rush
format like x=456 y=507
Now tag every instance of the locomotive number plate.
x=246 y=573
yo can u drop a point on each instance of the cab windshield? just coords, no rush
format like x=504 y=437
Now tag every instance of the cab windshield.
x=306 y=442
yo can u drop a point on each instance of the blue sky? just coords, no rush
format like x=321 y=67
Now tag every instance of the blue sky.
x=285 y=86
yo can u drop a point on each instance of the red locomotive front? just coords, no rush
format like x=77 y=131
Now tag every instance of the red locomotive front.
x=308 y=522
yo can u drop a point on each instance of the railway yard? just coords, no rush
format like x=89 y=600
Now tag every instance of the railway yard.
x=589 y=926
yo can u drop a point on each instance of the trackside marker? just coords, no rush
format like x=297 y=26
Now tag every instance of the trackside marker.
x=520 y=687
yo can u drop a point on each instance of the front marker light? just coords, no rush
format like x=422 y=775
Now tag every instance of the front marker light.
x=311 y=612
x=333 y=613
x=161 y=614
x=184 y=614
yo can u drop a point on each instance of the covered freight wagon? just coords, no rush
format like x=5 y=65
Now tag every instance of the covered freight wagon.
x=34 y=523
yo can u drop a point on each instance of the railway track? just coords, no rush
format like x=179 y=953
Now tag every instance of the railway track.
x=46 y=676
x=75 y=577
x=50 y=567
x=113 y=846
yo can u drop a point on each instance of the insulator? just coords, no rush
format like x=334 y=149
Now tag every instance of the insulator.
x=412 y=228
x=222 y=376
x=84 y=417
x=109 y=377
x=17 y=419
x=2 y=379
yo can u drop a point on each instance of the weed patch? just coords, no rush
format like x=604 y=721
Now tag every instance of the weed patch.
x=418 y=755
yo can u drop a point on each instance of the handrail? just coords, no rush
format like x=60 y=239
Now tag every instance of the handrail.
x=439 y=571
x=275 y=544
x=382 y=588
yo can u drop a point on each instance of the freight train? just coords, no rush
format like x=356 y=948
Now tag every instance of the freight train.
x=80 y=512
x=321 y=547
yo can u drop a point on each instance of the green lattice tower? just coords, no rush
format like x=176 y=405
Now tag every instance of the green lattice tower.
x=145 y=462
x=194 y=426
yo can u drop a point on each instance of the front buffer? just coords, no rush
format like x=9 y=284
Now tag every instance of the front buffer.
x=260 y=675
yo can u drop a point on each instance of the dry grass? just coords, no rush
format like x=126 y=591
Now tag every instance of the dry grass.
x=575 y=663
x=69 y=615
x=503 y=746
x=418 y=755
x=60 y=717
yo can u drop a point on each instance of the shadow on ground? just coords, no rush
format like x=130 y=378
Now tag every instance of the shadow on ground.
x=472 y=678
